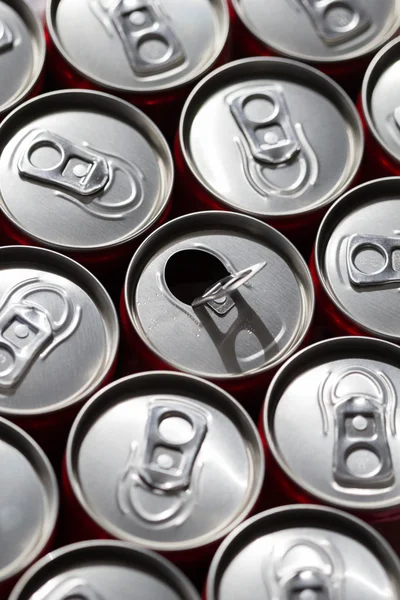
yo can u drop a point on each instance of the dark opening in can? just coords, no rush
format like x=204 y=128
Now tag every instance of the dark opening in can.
x=304 y=552
x=271 y=138
x=219 y=295
x=331 y=424
x=28 y=504
x=163 y=460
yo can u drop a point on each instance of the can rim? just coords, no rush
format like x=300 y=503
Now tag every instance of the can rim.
x=270 y=403
x=329 y=60
x=41 y=464
x=177 y=224
x=225 y=30
x=242 y=420
x=20 y=7
x=370 y=538
x=113 y=333
x=307 y=72
x=154 y=137
x=319 y=253
x=162 y=565
x=381 y=61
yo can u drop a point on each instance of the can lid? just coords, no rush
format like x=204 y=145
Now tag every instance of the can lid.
x=103 y=570
x=346 y=391
x=271 y=137
x=358 y=259
x=22 y=52
x=145 y=461
x=381 y=106
x=28 y=500
x=325 y=31
x=100 y=163
x=58 y=332
x=304 y=551
x=220 y=295
x=139 y=46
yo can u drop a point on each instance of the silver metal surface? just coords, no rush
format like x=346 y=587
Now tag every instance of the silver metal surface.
x=345 y=391
x=22 y=52
x=99 y=163
x=307 y=553
x=271 y=138
x=321 y=30
x=28 y=500
x=157 y=44
x=103 y=570
x=58 y=332
x=371 y=209
x=267 y=319
x=166 y=461
x=379 y=100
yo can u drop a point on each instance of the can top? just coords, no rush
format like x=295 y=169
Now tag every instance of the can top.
x=103 y=570
x=346 y=391
x=146 y=462
x=219 y=294
x=22 y=52
x=380 y=104
x=324 y=31
x=139 y=46
x=58 y=332
x=358 y=259
x=28 y=500
x=304 y=551
x=100 y=163
x=271 y=137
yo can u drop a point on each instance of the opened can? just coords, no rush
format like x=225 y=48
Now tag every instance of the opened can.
x=356 y=262
x=340 y=38
x=271 y=138
x=22 y=54
x=58 y=342
x=380 y=110
x=163 y=460
x=150 y=52
x=100 y=164
x=28 y=504
x=304 y=552
x=103 y=570
x=330 y=425
x=219 y=295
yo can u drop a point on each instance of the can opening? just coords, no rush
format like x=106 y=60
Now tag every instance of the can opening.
x=189 y=273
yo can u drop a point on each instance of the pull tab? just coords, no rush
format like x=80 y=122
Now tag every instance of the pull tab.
x=217 y=296
x=78 y=170
x=271 y=137
x=386 y=248
x=168 y=460
x=143 y=29
x=309 y=583
x=337 y=22
x=73 y=589
x=6 y=37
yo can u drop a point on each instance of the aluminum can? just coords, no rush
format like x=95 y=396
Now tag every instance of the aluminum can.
x=330 y=427
x=304 y=552
x=380 y=113
x=59 y=335
x=163 y=460
x=219 y=295
x=356 y=265
x=103 y=570
x=22 y=54
x=150 y=52
x=28 y=504
x=271 y=138
x=340 y=38
x=101 y=165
